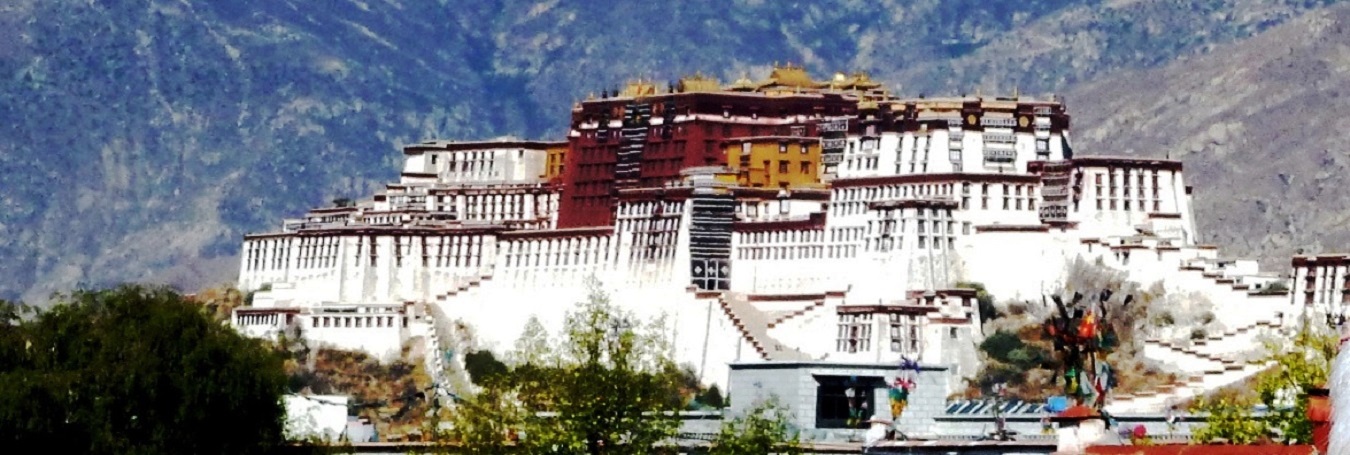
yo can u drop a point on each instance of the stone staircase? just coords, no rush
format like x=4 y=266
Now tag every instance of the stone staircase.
x=465 y=285
x=1197 y=261
x=780 y=319
x=753 y=325
x=1224 y=273
x=1210 y=363
x=1157 y=400
x=1241 y=296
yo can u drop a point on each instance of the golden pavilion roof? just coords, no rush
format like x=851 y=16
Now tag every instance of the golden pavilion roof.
x=790 y=76
x=699 y=83
x=638 y=88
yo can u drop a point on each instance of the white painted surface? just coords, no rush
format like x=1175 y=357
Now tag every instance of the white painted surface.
x=323 y=417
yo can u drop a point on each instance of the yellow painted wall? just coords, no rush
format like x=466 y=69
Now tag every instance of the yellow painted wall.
x=553 y=166
x=775 y=162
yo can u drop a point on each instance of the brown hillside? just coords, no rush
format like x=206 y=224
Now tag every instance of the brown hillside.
x=1261 y=125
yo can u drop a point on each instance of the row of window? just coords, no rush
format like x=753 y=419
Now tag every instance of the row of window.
x=855 y=333
x=904 y=334
x=657 y=245
x=358 y=322
x=467 y=162
x=802 y=236
x=797 y=252
x=642 y=209
x=271 y=319
x=436 y=251
x=922 y=226
x=598 y=253
x=1124 y=177
x=1111 y=204
x=595 y=171
x=314 y=252
x=494 y=207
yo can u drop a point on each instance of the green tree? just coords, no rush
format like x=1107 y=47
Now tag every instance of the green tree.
x=1295 y=368
x=136 y=370
x=712 y=397
x=484 y=368
x=533 y=346
x=764 y=429
x=488 y=422
x=608 y=386
x=1228 y=420
x=988 y=311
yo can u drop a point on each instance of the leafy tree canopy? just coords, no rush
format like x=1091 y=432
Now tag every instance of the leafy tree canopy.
x=136 y=370
x=608 y=386
x=764 y=429
x=1297 y=365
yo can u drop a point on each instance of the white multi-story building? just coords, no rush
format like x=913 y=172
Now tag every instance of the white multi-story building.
x=922 y=195
x=1322 y=285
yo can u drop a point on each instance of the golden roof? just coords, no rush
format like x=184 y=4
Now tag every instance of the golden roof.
x=638 y=88
x=698 y=83
x=860 y=80
x=790 y=76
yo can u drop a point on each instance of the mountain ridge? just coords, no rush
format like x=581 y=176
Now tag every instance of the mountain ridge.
x=1275 y=99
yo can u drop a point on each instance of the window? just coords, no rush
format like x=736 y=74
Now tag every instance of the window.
x=855 y=333
x=782 y=147
x=782 y=167
x=904 y=333
x=806 y=167
x=846 y=401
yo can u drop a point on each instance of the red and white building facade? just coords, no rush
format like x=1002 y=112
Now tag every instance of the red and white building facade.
x=919 y=195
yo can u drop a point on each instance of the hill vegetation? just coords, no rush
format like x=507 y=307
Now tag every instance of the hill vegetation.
x=1021 y=356
x=135 y=370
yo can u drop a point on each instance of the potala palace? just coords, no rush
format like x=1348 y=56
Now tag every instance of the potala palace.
x=790 y=229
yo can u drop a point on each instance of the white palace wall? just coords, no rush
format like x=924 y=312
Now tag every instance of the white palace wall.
x=697 y=333
x=875 y=238
x=1016 y=265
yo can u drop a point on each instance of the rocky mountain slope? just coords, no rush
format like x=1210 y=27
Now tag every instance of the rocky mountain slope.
x=140 y=139
x=1260 y=124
